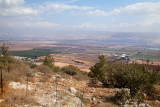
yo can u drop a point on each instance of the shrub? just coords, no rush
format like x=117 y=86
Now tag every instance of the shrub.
x=124 y=97
x=119 y=97
x=71 y=70
x=98 y=71
x=56 y=69
x=19 y=70
x=133 y=76
x=32 y=65
x=150 y=91
x=75 y=72
x=49 y=61
x=81 y=76
x=44 y=69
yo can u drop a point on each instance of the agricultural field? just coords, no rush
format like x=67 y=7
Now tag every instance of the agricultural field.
x=70 y=52
x=33 y=53
x=145 y=56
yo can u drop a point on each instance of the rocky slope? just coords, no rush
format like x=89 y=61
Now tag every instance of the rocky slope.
x=59 y=90
x=70 y=92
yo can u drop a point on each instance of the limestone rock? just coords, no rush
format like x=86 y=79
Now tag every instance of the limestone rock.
x=72 y=90
x=18 y=85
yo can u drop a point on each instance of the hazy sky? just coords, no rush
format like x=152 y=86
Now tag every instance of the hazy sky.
x=44 y=17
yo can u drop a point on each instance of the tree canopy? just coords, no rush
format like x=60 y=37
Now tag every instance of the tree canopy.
x=133 y=76
x=49 y=61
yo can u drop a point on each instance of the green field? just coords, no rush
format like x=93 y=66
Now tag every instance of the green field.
x=144 y=56
x=33 y=53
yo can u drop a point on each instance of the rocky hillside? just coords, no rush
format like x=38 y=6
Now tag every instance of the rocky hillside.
x=49 y=89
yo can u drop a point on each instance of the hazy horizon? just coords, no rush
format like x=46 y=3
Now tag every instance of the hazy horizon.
x=124 y=20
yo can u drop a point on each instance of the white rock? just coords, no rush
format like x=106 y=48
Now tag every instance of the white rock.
x=93 y=99
x=72 y=90
x=38 y=83
x=126 y=105
x=54 y=78
x=58 y=76
x=157 y=101
x=35 y=74
x=51 y=87
x=98 y=102
x=134 y=103
x=18 y=85
x=142 y=105
x=83 y=83
x=135 y=106
x=40 y=73
x=62 y=79
x=147 y=105
x=1 y=100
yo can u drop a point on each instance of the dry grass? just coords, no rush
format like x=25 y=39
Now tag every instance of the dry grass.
x=45 y=78
x=106 y=105
x=17 y=73
x=44 y=69
x=47 y=73
x=64 y=75
x=81 y=76
x=60 y=64
x=15 y=97
x=85 y=101
x=154 y=104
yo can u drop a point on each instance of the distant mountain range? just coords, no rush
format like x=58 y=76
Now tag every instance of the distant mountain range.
x=135 y=38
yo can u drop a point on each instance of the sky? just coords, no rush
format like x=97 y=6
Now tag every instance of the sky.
x=45 y=17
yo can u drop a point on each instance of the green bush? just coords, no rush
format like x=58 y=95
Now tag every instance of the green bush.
x=150 y=91
x=56 y=69
x=119 y=97
x=31 y=65
x=133 y=76
x=49 y=61
x=98 y=70
x=140 y=98
x=71 y=70
x=124 y=97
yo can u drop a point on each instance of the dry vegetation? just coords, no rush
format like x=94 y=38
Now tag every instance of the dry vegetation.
x=156 y=103
x=12 y=96
x=17 y=73
x=18 y=97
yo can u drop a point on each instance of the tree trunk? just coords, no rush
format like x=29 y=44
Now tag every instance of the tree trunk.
x=1 y=82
